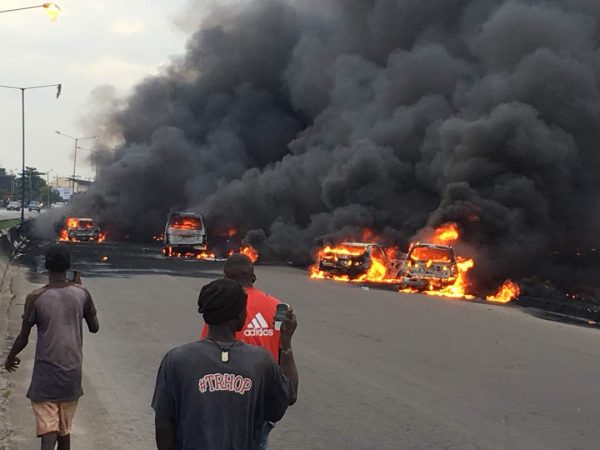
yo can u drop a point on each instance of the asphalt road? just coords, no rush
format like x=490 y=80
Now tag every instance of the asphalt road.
x=378 y=369
x=6 y=215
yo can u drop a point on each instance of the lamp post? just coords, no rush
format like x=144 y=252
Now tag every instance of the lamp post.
x=76 y=139
x=52 y=9
x=23 y=89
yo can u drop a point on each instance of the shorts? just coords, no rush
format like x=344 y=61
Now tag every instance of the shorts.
x=54 y=417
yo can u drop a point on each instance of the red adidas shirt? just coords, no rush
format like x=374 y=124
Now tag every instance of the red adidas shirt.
x=258 y=329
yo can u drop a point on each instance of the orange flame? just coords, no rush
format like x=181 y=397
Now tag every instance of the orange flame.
x=377 y=271
x=250 y=252
x=446 y=234
x=170 y=252
x=73 y=222
x=369 y=235
x=459 y=289
x=63 y=235
x=506 y=293
x=247 y=250
x=186 y=223
x=228 y=233
x=205 y=255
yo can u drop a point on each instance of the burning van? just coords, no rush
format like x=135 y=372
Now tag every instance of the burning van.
x=429 y=267
x=354 y=261
x=185 y=234
x=80 y=229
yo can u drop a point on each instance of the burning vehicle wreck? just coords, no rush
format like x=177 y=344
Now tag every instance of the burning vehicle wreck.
x=355 y=261
x=429 y=267
x=185 y=235
x=81 y=229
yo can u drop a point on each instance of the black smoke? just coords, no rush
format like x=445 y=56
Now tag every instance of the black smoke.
x=302 y=122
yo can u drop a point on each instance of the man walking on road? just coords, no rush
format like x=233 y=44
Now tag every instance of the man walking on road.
x=259 y=327
x=57 y=310
x=218 y=392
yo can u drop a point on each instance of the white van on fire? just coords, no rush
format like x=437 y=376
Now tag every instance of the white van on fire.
x=185 y=234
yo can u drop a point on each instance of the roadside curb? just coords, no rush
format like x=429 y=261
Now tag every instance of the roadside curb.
x=10 y=242
x=6 y=298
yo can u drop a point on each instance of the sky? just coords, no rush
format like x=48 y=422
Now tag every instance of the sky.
x=93 y=43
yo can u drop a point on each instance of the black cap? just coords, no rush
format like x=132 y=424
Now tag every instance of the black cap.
x=221 y=300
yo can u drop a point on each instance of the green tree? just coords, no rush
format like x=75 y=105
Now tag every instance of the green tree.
x=54 y=196
x=35 y=185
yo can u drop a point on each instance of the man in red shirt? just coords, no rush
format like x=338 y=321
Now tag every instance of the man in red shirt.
x=259 y=327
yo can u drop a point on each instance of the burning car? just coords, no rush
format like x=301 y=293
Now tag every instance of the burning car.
x=185 y=234
x=79 y=229
x=429 y=267
x=355 y=261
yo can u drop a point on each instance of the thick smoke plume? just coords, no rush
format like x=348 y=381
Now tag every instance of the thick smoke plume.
x=308 y=121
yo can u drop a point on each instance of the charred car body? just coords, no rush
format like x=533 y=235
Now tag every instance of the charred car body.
x=185 y=234
x=355 y=259
x=82 y=229
x=429 y=266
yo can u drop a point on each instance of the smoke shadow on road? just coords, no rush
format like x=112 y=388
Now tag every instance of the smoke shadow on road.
x=122 y=259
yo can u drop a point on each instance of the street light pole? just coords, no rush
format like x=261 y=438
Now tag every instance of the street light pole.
x=23 y=156
x=48 y=185
x=76 y=139
x=52 y=8
x=23 y=89
x=75 y=163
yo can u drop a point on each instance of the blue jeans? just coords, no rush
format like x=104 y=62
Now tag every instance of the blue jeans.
x=264 y=435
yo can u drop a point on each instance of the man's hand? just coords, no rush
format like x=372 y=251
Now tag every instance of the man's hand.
x=288 y=327
x=286 y=355
x=12 y=363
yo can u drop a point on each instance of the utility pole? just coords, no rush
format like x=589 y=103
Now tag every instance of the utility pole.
x=76 y=139
x=23 y=89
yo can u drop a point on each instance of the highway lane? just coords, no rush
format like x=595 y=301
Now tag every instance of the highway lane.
x=379 y=370
x=6 y=215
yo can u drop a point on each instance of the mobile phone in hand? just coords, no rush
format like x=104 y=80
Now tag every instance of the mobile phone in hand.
x=74 y=276
x=280 y=314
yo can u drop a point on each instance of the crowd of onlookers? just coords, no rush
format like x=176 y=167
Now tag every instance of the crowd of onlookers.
x=224 y=391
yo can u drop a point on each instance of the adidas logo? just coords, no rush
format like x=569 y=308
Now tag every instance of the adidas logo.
x=258 y=327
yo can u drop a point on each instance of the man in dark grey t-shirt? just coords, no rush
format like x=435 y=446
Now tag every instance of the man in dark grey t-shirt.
x=218 y=392
x=57 y=310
